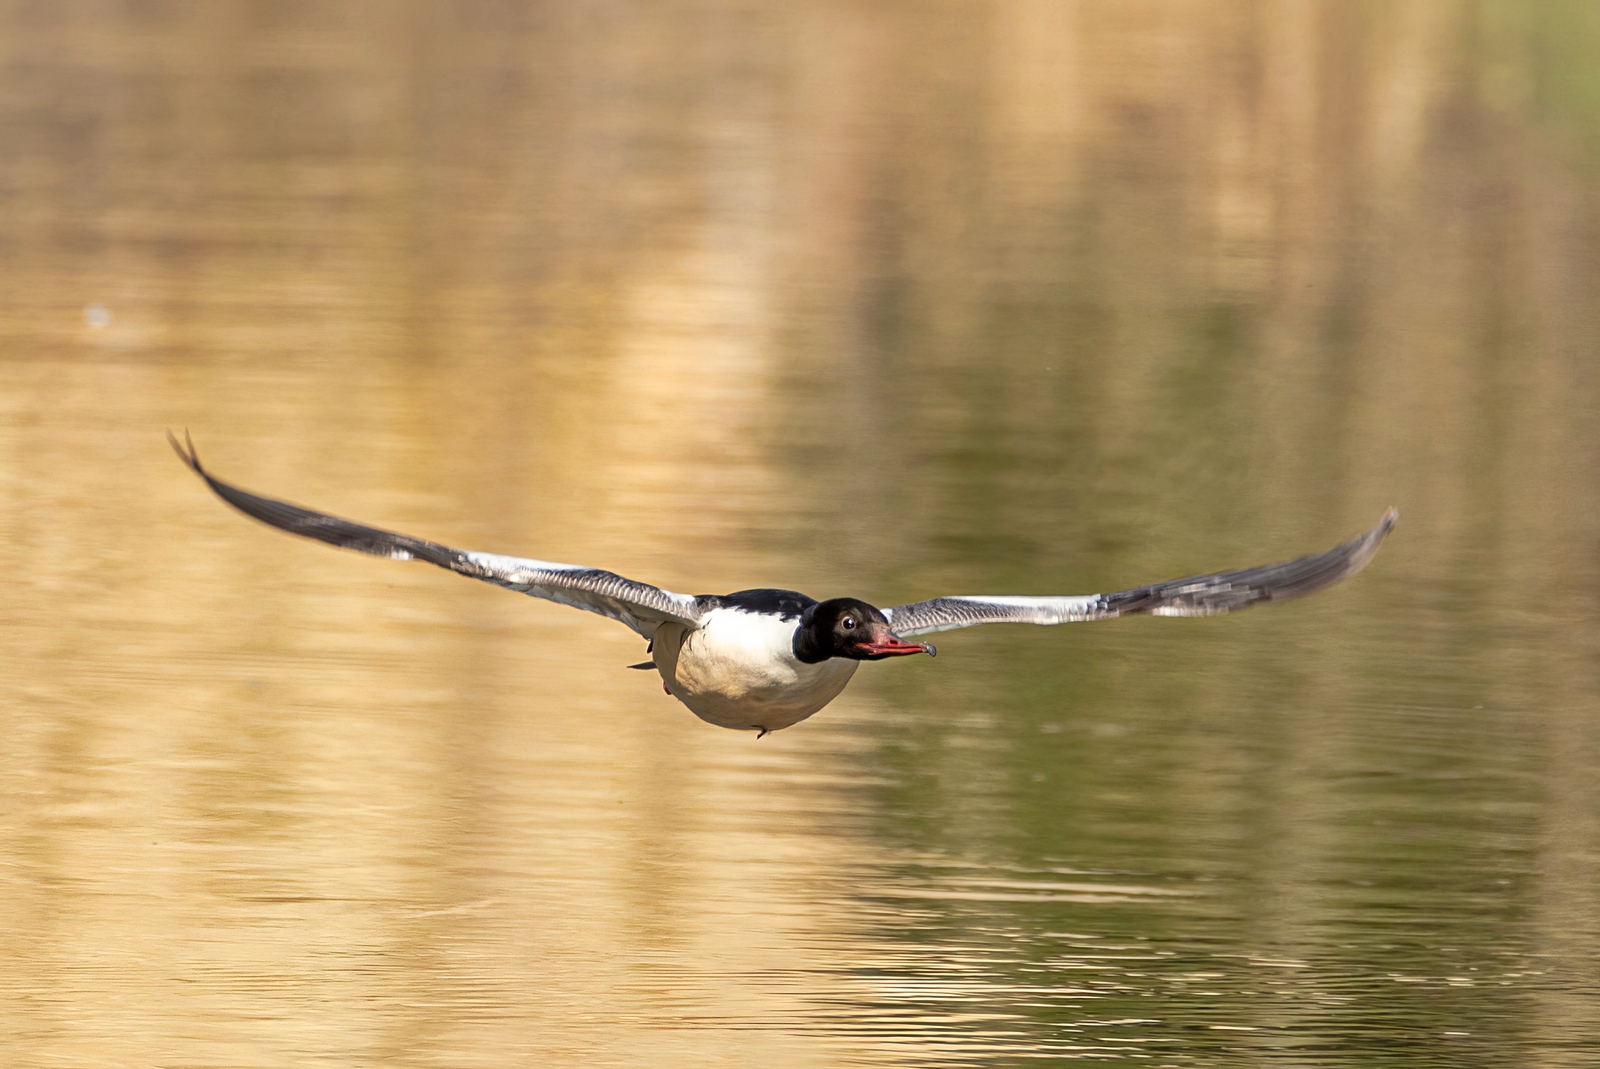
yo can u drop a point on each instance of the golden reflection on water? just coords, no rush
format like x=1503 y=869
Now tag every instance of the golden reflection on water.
x=850 y=298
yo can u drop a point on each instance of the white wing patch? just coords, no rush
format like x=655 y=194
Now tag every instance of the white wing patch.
x=966 y=610
x=512 y=568
x=1079 y=604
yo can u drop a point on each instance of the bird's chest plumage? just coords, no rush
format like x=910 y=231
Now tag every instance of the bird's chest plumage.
x=738 y=670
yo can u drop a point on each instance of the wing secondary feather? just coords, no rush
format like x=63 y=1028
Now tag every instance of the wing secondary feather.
x=1198 y=595
x=639 y=605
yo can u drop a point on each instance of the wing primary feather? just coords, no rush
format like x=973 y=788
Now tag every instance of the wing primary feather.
x=639 y=605
x=1210 y=595
x=319 y=525
x=1198 y=595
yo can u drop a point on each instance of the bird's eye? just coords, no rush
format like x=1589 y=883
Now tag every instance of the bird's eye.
x=848 y=623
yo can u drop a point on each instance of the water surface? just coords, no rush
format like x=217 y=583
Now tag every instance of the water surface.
x=879 y=300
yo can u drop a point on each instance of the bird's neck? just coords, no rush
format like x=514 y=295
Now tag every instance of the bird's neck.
x=807 y=649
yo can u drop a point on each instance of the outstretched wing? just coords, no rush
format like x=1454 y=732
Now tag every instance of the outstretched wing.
x=639 y=605
x=1199 y=595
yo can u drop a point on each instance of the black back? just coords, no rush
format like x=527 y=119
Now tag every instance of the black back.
x=787 y=604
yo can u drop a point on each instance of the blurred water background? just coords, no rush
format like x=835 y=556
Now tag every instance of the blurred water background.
x=881 y=299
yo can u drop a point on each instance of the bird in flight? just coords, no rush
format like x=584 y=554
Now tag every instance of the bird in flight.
x=761 y=660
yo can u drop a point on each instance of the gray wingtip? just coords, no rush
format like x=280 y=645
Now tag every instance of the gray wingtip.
x=1356 y=554
x=1369 y=542
x=189 y=456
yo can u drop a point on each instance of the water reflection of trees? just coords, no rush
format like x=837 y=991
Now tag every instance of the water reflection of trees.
x=944 y=296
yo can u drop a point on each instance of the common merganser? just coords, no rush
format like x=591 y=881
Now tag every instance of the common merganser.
x=761 y=660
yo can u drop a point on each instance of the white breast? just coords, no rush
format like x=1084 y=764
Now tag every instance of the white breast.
x=738 y=670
